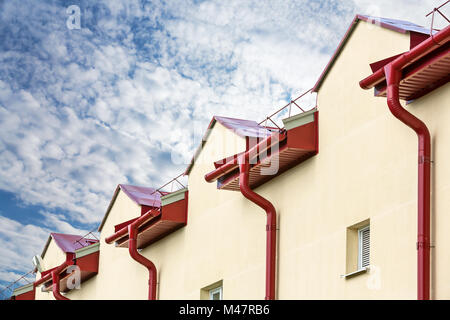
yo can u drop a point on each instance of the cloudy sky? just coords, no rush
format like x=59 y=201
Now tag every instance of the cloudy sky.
x=122 y=94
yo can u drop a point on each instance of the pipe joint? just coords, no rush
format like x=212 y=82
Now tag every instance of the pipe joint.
x=424 y=159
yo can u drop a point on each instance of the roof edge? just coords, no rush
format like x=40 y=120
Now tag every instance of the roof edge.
x=351 y=28
x=105 y=216
x=335 y=54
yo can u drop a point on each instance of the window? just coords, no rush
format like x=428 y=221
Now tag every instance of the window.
x=215 y=294
x=364 y=247
x=214 y=291
x=358 y=249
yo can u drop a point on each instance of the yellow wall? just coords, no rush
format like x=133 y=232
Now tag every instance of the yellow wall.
x=53 y=257
x=366 y=169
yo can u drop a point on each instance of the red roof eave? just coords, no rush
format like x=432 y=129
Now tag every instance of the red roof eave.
x=438 y=40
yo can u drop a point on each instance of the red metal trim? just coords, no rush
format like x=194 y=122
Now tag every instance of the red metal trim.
x=30 y=295
x=375 y=66
x=123 y=224
x=417 y=38
x=47 y=274
x=132 y=248
x=124 y=231
x=415 y=88
x=413 y=55
x=265 y=144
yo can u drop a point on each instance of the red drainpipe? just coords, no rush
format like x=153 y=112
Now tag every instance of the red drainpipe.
x=393 y=74
x=54 y=275
x=132 y=230
x=393 y=77
x=271 y=227
x=132 y=248
x=55 y=286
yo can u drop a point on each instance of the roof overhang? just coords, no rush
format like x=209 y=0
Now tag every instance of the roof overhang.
x=296 y=146
x=170 y=217
x=242 y=128
x=428 y=70
x=86 y=259
x=123 y=188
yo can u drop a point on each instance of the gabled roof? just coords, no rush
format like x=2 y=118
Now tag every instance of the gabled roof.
x=243 y=128
x=391 y=24
x=141 y=195
x=68 y=243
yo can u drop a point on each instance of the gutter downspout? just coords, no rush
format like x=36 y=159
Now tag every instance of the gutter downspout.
x=393 y=74
x=393 y=77
x=132 y=248
x=271 y=227
x=132 y=230
x=54 y=275
x=55 y=286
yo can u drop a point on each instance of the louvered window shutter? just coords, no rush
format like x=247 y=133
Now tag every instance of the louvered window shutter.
x=364 y=247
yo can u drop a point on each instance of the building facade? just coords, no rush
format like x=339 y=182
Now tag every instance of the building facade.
x=345 y=195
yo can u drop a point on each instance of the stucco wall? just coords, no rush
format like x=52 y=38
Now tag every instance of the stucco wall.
x=53 y=257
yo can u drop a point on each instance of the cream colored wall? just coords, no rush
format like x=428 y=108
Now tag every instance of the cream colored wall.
x=119 y=277
x=434 y=111
x=223 y=240
x=53 y=257
x=366 y=169
x=363 y=171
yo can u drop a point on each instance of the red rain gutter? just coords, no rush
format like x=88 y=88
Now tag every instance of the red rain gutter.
x=409 y=57
x=124 y=231
x=271 y=226
x=393 y=74
x=45 y=278
x=132 y=230
x=265 y=144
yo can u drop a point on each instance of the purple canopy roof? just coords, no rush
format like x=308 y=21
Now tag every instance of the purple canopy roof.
x=142 y=195
x=69 y=243
x=244 y=128
x=396 y=25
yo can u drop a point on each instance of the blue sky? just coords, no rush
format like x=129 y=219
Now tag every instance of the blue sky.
x=119 y=99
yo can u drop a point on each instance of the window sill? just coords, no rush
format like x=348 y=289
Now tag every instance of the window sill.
x=355 y=273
